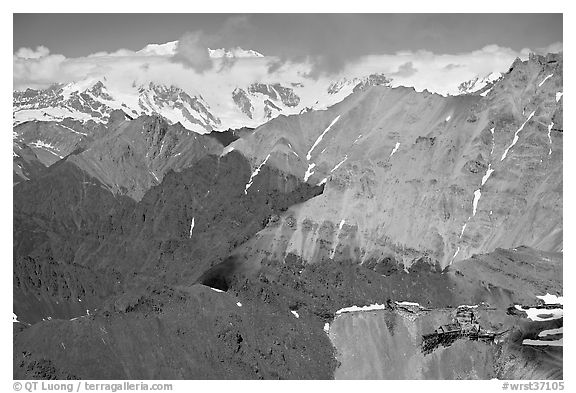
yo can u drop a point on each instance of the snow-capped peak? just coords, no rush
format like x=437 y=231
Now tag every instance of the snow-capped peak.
x=479 y=85
x=78 y=86
x=91 y=99
x=234 y=52
x=356 y=83
x=169 y=49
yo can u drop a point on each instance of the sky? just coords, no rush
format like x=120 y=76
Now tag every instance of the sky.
x=75 y=35
x=56 y=48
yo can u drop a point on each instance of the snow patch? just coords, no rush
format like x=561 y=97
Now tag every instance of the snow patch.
x=395 y=149
x=295 y=314
x=191 y=228
x=217 y=290
x=326 y=327
x=551 y=299
x=463 y=228
x=319 y=139
x=516 y=136
x=559 y=95
x=309 y=171
x=449 y=117
x=534 y=313
x=551 y=332
x=74 y=131
x=239 y=304
x=552 y=343
x=255 y=173
x=485 y=93
x=339 y=164
x=333 y=251
x=226 y=150
x=42 y=145
x=454 y=256
x=545 y=79
x=487 y=175
x=550 y=137
x=46 y=146
x=477 y=195
x=493 y=143
x=371 y=307
x=323 y=181
x=408 y=304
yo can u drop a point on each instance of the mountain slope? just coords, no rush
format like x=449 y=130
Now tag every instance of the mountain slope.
x=173 y=234
x=416 y=174
x=26 y=164
x=136 y=154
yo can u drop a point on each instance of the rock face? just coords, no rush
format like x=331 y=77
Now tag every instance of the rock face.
x=387 y=345
x=358 y=84
x=229 y=136
x=319 y=245
x=265 y=101
x=136 y=154
x=26 y=164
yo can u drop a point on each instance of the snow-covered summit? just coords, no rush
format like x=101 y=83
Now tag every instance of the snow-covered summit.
x=479 y=85
x=169 y=49
x=92 y=99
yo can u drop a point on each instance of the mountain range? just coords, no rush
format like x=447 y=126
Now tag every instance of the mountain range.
x=296 y=230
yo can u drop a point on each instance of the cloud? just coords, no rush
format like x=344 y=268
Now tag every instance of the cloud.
x=192 y=52
x=421 y=69
x=275 y=64
x=450 y=67
x=555 y=47
x=35 y=68
x=405 y=70
x=436 y=72
x=226 y=63
x=192 y=47
x=27 y=53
